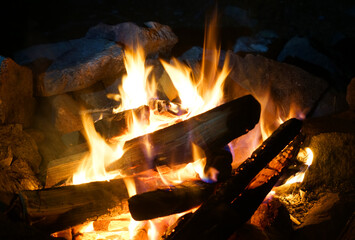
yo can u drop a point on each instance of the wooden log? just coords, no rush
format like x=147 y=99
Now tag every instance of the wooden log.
x=172 y=145
x=62 y=169
x=170 y=200
x=243 y=207
x=115 y=124
x=219 y=204
x=56 y=209
x=180 y=198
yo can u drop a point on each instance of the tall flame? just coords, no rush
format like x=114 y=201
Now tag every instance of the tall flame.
x=203 y=92
x=197 y=92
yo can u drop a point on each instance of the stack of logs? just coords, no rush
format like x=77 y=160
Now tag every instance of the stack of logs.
x=226 y=204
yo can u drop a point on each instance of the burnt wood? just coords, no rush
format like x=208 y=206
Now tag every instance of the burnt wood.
x=172 y=145
x=214 y=210
x=170 y=200
x=56 y=209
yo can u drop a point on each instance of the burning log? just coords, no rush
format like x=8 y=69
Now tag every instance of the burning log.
x=172 y=145
x=56 y=209
x=232 y=202
x=210 y=130
x=182 y=197
x=115 y=124
x=164 y=202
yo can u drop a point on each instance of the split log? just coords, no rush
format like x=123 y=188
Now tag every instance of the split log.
x=56 y=209
x=115 y=124
x=172 y=145
x=222 y=204
x=170 y=200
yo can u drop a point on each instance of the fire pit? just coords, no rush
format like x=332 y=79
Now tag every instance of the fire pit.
x=127 y=143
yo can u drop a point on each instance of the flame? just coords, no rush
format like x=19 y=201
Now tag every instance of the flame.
x=305 y=156
x=198 y=93
x=203 y=92
x=93 y=165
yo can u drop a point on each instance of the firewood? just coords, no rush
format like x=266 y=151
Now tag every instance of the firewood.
x=169 y=200
x=56 y=209
x=232 y=199
x=172 y=145
x=60 y=170
x=115 y=124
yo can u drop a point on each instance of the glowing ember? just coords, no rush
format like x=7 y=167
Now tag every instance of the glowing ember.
x=306 y=156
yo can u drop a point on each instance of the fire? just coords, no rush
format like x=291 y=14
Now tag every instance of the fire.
x=197 y=94
x=305 y=156
x=203 y=92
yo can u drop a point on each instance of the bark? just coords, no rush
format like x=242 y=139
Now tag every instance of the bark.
x=172 y=145
x=56 y=209
x=170 y=200
x=234 y=201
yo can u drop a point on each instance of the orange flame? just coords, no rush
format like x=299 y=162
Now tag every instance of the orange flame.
x=198 y=93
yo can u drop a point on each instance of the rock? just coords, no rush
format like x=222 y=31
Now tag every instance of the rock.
x=327 y=217
x=94 y=97
x=17 y=103
x=87 y=62
x=333 y=162
x=66 y=114
x=239 y=16
x=255 y=44
x=51 y=51
x=300 y=48
x=273 y=218
x=157 y=38
x=350 y=94
x=20 y=146
x=19 y=160
x=343 y=122
x=332 y=101
x=283 y=90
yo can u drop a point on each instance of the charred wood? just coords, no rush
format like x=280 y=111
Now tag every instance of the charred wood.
x=171 y=200
x=211 y=131
x=233 y=198
x=172 y=145
x=56 y=209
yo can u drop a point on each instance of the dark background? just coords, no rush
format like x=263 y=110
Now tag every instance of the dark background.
x=328 y=24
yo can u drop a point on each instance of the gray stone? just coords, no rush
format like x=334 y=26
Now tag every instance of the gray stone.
x=326 y=219
x=298 y=47
x=17 y=103
x=94 y=97
x=88 y=61
x=350 y=94
x=50 y=51
x=333 y=163
x=255 y=44
x=154 y=39
x=332 y=101
x=281 y=89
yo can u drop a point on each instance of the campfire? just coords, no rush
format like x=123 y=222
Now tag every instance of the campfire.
x=216 y=147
